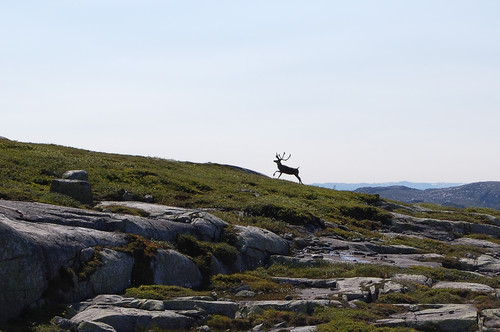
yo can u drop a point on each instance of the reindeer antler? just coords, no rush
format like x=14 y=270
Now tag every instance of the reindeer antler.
x=282 y=158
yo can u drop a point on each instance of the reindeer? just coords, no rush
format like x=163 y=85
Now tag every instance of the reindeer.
x=285 y=169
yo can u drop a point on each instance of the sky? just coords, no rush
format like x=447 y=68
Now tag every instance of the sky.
x=355 y=91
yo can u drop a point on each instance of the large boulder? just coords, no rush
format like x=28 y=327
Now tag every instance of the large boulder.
x=105 y=278
x=35 y=256
x=172 y=268
x=78 y=189
x=76 y=175
x=257 y=245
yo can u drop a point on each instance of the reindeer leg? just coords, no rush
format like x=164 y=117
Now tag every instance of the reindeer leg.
x=298 y=177
x=275 y=173
x=280 y=175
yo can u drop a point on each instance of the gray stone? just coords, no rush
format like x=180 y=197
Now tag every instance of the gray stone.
x=172 y=268
x=224 y=308
x=131 y=319
x=305 y=282
x=298 y=306
x=489 y=320
x=414 y=278
x=94 y=327
x=483 y=263
x=32 y=254
x=392 y=287
x=245 y=293
x=440 y=317
x=77 y=189
x=76 y=175
x=105 y=279
x=257 y=245
x=474 y=287
x=358 y=288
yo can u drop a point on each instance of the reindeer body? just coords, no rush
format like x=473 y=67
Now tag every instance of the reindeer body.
x=285 y=169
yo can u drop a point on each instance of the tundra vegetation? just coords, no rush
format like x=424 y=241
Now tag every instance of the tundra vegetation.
x=244 y=198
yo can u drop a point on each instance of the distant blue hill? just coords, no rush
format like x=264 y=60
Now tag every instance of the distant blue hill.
x=414 y=185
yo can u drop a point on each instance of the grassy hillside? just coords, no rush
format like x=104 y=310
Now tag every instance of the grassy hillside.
x=26 y=172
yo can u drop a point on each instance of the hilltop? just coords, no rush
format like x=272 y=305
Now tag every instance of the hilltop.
x=479 y=194
x=183 y=246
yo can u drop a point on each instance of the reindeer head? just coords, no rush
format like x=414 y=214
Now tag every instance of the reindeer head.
x=279 y=158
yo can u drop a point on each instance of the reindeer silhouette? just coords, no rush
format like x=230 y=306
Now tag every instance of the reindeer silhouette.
x=285 y=169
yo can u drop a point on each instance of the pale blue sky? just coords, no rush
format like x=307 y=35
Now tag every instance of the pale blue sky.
x=357 y=91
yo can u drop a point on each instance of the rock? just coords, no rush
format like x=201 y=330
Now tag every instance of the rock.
x=33 y=254
x=392 y=287
x=287 y=260
x=94 y=327
x=245 y=293
x=105 y=279
x=77 y=189
x=414 y=278
x=224 y=308
x=466 y=241
x=358 y=288
x=164 y=223
x=130 y=319
x=305 y=282
x=483 y=263
x=298 y=306
x=172 y=268
x=257 y=245
x=76 y=175
x=473 y=287
x=440 y=317
x=489 y=320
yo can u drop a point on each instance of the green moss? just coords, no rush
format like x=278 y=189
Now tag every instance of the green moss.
x=359 y=319
x=92 y=265
x=162 y=292
x=126 y=210
x=143 y=251
x=264 y=287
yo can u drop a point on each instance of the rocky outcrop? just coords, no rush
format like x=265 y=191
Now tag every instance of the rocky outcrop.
x=444 y=230
x=164 y=223
x=34 y=254
x=440 y=317
x=115 y=313
x=52 y=253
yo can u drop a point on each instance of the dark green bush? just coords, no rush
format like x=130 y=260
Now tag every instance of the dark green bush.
x=292 y=216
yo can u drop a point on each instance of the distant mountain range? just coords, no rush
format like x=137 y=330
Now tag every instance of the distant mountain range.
x=414 y=185
x=478 y=194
